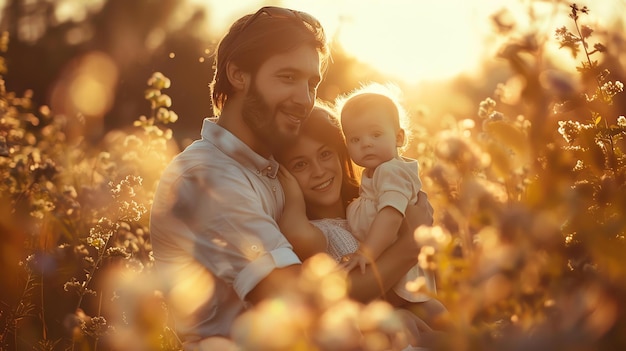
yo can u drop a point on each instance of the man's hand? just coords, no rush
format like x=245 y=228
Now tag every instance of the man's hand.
x=419 y=214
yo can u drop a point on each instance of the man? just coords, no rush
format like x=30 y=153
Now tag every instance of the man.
x=213 y=222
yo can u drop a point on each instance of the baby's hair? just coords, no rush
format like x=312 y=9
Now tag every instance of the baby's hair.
x=367 y=95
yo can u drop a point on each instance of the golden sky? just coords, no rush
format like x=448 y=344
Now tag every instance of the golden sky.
x=421 y=40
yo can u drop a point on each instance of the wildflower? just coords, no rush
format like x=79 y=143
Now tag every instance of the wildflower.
x=611 y=89
x=117 y=251
x=96 y=242
x=162 y=114
x=496 y=116
x=99 y=235
x=569 y=130
x=579 y=165
x=131 y=210
x=73 y=284
x=161 y=101
x=151 y=93
x=168 y=132
x=426 y=258
x=166 y=116
x=141 y=122
x=41 y=207
x=486 y=108
x=159 y=81
x=567 y=40
x=599 y=47
x=621 y=121
x=575 y=10
x=585 y=31
x=96 y=327
x=126 y=187
x=79 y=287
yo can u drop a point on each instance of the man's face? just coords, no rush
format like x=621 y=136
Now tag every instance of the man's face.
x=281 y=96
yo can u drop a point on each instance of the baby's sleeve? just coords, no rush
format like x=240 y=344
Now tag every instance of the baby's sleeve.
x=396 y=185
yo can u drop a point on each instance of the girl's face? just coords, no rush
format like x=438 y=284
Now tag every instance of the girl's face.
x=371 y=137
x=317 y=168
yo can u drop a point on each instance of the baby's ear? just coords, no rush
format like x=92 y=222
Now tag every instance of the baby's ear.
x=400 y=137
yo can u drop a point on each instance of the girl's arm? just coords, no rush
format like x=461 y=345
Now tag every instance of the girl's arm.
x=306 y=239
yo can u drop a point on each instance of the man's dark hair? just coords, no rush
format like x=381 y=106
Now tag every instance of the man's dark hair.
x=254 y=38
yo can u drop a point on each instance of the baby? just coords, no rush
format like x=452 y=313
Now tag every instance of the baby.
x=371 y=124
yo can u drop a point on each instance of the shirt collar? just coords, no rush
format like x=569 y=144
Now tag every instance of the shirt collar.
x=236 y=149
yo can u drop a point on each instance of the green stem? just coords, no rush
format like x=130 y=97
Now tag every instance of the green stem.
x=604 y=98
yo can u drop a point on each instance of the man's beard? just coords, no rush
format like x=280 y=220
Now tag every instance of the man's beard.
x=261 y=119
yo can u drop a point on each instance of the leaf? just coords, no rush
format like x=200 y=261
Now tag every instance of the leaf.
x=597 y=120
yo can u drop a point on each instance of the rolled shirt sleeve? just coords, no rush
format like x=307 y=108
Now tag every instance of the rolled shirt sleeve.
x=237 y=236
x=214 y=231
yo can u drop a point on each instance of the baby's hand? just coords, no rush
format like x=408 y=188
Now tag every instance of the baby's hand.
x=349 y=262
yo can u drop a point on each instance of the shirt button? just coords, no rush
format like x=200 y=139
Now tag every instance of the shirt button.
x=258 y=171
x=255 y=248
x=274 y=189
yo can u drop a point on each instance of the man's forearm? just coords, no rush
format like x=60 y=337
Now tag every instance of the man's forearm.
x=378 y=278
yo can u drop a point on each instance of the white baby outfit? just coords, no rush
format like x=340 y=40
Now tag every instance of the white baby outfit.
x=394 y=183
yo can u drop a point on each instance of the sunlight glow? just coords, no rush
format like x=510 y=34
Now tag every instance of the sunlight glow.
x=410 y=40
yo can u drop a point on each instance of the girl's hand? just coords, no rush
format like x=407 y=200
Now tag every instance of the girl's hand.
x=291 y=188
x=307 y=240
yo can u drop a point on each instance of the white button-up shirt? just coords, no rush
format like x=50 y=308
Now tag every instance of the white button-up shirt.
x=214 y=230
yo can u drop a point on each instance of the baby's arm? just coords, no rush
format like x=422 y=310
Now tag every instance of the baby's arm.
x=306 y=239
x=395 y=182
x=382 y=233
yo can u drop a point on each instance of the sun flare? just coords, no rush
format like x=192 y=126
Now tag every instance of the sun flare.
x=408 y=40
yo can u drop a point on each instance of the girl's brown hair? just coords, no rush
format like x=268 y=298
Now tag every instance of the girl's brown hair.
x=323 y=126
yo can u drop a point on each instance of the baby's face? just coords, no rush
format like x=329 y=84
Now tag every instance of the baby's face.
x=371 y=137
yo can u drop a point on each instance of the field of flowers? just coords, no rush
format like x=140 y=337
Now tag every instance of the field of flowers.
x=528 y=244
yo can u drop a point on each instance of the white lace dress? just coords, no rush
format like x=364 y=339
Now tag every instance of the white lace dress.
x=340 y=241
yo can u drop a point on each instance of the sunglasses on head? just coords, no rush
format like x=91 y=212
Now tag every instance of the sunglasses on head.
x=281 y=12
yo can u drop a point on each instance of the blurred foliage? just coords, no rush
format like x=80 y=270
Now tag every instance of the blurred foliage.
x=533 y=227
x=75 y=239
x=528 y=243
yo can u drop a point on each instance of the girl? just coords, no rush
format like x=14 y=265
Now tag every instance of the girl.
x=319 y=182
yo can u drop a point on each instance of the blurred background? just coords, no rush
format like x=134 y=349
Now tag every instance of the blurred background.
x=91 y=59
x=521 y=151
